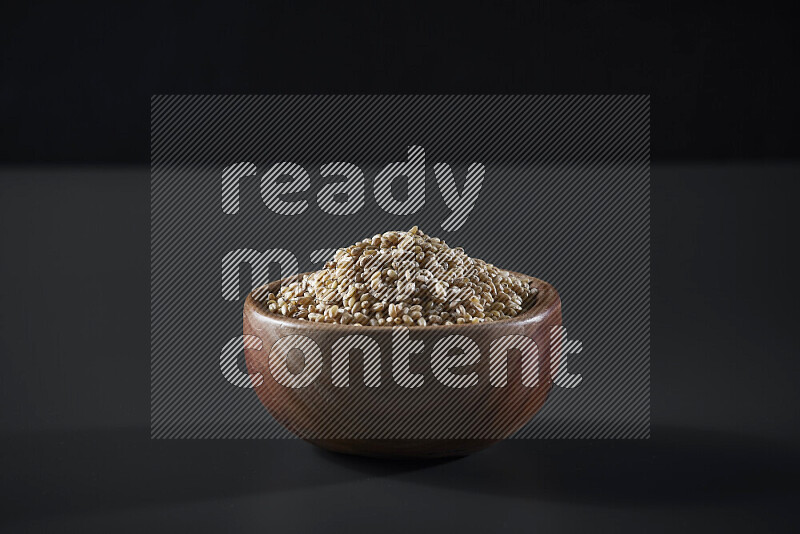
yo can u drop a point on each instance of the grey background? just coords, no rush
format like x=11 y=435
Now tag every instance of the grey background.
x=77 y=454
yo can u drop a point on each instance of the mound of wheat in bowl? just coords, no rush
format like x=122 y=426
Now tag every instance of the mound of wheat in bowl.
x=404 y=278
x=451 y=355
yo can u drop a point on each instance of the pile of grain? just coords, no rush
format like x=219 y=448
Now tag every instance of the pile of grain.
x=404 y=278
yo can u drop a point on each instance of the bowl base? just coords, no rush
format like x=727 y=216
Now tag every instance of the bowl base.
x=405 y=448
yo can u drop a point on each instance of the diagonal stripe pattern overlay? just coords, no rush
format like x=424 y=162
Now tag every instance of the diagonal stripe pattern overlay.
x=563 y=195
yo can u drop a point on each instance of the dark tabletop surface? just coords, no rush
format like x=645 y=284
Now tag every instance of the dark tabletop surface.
x=74 y=394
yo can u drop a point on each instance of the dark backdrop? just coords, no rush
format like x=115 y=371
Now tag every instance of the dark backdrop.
x=75 y=87
x=76 y=78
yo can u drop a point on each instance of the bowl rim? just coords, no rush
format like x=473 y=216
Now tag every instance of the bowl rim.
x=547 y=299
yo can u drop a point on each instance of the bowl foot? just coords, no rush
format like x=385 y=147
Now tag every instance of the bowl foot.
x=404 y=448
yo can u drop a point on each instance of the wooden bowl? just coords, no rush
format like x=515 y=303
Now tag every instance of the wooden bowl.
x=432 y=420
